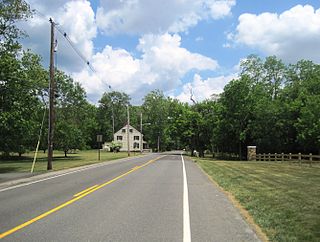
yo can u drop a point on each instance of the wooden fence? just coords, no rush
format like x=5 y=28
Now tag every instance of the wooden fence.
x=300 y=158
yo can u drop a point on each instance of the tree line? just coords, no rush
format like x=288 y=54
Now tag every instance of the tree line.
x=272 y=105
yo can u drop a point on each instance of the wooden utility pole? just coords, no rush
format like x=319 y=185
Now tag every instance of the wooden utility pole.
x=112 y=120
x=141 y=141
x=128 y=136
x=51 y=99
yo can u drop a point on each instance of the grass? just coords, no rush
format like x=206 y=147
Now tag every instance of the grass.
x=24 y=163
x=283 y=199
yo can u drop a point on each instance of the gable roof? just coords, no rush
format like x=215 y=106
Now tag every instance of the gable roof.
x=125 y=127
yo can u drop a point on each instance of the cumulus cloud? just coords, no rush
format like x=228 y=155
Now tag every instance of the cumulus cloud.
x=203 y=89
x=291 y=35
x=163 y=62
x=162 y=65
x=76 y=18
x=145 y=16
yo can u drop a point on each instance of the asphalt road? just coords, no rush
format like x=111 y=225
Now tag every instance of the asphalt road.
x=150 y=198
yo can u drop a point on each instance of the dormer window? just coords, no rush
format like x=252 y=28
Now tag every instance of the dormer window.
x=123 y=130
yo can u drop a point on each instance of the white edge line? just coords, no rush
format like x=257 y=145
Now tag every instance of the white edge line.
x=64 y=174
x=186 y=211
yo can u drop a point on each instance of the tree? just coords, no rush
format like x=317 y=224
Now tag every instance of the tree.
x=71 y=130
x=155 y=109
x=274 y=75
x=205 y=125
x=12 y=11
x=112 y=108
x=302 y=97
x=20 y=102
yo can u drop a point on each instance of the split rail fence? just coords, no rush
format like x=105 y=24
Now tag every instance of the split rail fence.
x=299 y=158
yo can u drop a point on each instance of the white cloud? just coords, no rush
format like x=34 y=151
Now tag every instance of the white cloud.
x=76 y=18
x=162 y=65
x=291 y=35
x=145 y=16
x=203 y=89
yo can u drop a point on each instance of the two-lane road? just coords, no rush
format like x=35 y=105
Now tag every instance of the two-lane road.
x=149 y=198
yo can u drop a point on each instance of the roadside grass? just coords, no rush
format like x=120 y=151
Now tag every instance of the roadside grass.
x=282 y=198
x=87 y=157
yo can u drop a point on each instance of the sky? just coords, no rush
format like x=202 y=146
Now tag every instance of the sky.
x=177 y=46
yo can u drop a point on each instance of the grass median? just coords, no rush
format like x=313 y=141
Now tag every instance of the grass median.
x=282 y=198
x=87 y=157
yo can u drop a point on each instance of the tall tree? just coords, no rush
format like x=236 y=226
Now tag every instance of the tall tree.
x=12 y=11
x=112 y=112
x=71 y=114
x=155 y=109
x=20 y=102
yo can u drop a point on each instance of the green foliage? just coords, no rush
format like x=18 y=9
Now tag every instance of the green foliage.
x=12 y=11
x=115 y=146
x=112 y=107
x=155 y=109
x=19 y=102
x=271 y=105
x=74 y=123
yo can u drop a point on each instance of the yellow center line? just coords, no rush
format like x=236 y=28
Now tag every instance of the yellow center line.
x=135 y=168
x=84 y=191
x=84 y=194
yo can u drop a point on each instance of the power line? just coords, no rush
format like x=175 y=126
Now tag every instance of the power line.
x=72 y=44
x=78 y=52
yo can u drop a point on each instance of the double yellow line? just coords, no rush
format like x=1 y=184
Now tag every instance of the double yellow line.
x=77 y=197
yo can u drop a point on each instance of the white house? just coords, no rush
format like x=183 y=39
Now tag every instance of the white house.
x=135 y=139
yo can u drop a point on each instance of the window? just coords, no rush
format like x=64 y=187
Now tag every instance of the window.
x=136 y=145
x=123 y=130
x=119 y=137
x=136 y=137
x=131 y=130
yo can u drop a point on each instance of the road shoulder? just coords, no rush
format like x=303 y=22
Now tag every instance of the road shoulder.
x=214 y=217
x=244 y=213
x=25 y=179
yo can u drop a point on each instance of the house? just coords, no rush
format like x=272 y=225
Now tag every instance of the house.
x=136 y=141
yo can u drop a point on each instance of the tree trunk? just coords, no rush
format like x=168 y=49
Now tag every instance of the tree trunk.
x=65 y=153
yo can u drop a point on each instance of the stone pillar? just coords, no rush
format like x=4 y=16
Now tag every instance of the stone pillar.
x=252 y=152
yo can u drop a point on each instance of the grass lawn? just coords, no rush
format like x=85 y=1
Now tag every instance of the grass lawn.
x=282 y=198
x=24 y=163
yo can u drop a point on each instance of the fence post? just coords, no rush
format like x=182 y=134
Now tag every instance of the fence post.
x=282 y=157
x=251 y=153
x=269 y=157
x=275 y=157
x=299 y=157
x=310 y=159
x=264 y=157
x=290 y=156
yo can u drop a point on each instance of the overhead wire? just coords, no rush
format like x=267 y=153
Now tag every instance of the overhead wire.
x=78 y=52
x=73 y=46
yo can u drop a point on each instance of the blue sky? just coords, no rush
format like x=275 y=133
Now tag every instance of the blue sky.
x=140 y=45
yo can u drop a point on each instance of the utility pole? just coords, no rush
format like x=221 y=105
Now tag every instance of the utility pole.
x=51 y=99
x=112 y=121
x=141 y=138
x=128 y=136
x=158 y=142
